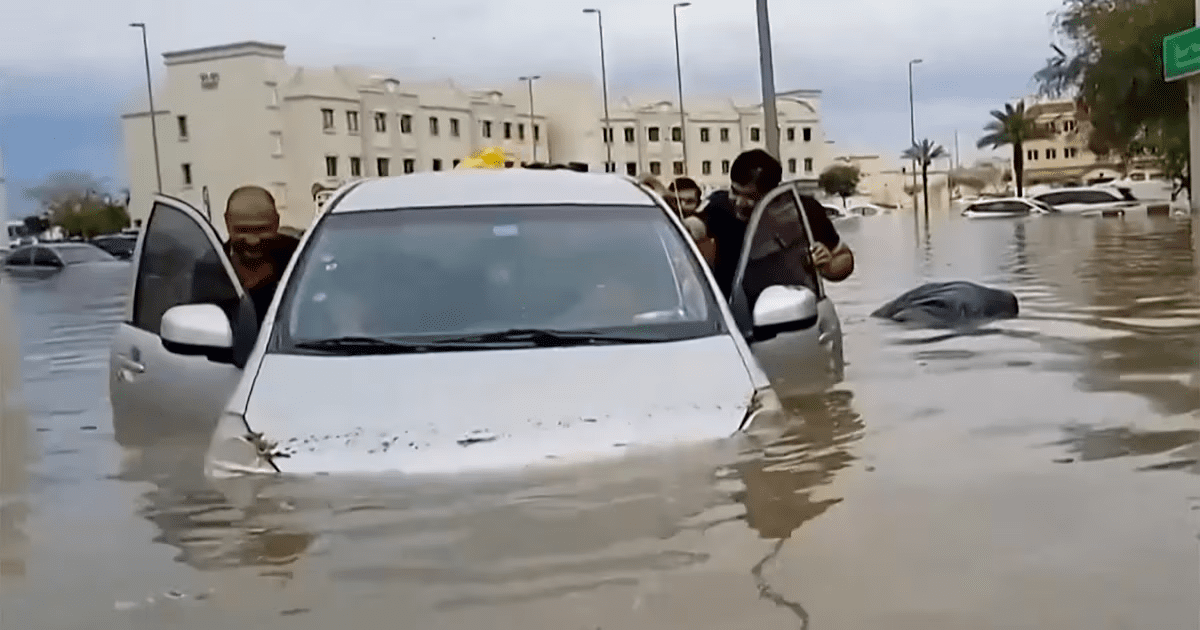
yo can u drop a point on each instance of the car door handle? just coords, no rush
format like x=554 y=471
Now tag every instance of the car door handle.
x=131 y=365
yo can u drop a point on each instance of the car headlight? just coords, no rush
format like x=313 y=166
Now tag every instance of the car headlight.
x=236 y=450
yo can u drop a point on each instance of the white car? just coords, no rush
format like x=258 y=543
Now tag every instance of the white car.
x=1090 y=200
x=865 y=210
x=468 y=319
x=1007 y=208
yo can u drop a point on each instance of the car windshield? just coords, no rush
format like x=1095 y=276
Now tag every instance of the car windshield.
x=75 y=254
x=458 y=274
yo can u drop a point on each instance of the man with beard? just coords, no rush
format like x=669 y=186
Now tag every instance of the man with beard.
x=258 y=251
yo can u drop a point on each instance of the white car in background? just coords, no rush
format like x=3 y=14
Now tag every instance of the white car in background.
x=469 y=319
x=1006 y=208
x=865 y=210
x=1091 y=200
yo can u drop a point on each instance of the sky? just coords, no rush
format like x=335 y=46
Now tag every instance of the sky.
x=66 y=67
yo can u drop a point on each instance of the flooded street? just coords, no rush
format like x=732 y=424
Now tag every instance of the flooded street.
x=1041 y=473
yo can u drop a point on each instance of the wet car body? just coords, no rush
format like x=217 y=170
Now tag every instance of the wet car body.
x=1091 y=200
x=46 y=259
x=1007 y=208
x=314 y=396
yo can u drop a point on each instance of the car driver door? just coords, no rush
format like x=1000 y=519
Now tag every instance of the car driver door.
x=155 y=393
x=779 y=299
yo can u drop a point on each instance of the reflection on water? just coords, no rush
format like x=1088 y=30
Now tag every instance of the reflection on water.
x=901 y=498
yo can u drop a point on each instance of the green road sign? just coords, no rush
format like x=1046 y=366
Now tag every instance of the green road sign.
x=1181 y=54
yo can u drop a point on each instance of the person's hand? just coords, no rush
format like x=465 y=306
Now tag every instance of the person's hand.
x=821 y=255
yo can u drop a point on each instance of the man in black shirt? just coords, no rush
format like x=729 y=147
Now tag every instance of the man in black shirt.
x=258 y=251
x=754 y=174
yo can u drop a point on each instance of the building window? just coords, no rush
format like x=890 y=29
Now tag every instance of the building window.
x=655 y=168
x=630 y=135
x=454 y=127
x=791 y=134
x=187 y=174
x=508 y=131
x=330 y=166
x=606 y=135
x=355 y=167
x=724 y=167
x=352 y=122
x=652 y=134
x=405 y=123
x=410 y=165
x=677 y=167
x=610 y=167
x=455 y=163
x=383 y=166
x=274 y=97
x=631 y=169
x=1068 y=125
x=724 y=134
x=1051 y=154
x=706 y=167
x=791 y=165
x=487 y=129
x=277 y=138
x=704 y=134
x=327 y=119
x=380 y=122
x=1032 y=154
x=520 y=131
x=437 y=164
x=755 y=134
x=537 y=133
x=808 y=165
x=1070 y=152
x=676 y=134
x=434 y=129
x=808 y=134
x=183 y=130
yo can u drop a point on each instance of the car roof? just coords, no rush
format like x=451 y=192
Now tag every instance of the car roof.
x=491 y=187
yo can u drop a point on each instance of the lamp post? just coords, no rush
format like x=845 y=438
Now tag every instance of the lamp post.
x=608 y=132
x=912 y=128
x=767 y=70
x=679 y=81
x=532 y=123
x=153 y=113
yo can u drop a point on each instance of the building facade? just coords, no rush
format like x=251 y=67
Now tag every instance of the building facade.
x=239 y=114
x=1063 y=157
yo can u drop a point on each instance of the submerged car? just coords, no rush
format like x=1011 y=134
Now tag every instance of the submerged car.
x=1007 y=208
x=469 y=319
x=49 y=258
x=1091 y=200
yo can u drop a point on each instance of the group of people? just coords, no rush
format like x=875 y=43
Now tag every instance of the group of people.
x=718 y=225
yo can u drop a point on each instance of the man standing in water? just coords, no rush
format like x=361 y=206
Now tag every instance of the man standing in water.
x=754 y=174
x=258 y=251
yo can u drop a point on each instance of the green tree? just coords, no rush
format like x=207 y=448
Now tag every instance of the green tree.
x=1113 y=62
x=1013 y=127
x=841 y=180
x=924 y=152
x=77 y=203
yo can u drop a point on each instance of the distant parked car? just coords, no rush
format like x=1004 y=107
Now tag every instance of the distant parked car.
x=865 y=210
x=1007 y=208
x=47 y=258
x=119 y=245
x=1091 y=200
x=833 y=211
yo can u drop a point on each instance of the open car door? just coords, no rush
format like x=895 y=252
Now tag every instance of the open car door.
x=156 y=392
x=779 y=299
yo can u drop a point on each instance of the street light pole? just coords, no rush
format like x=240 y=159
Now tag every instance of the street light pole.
x=912 y=129
x=608 y=132
x=153 y=113
x=679 y=82
x=532 y=122
x=767 y=70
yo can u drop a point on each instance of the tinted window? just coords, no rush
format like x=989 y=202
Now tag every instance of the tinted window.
x=19 y=258
x=116 y=246
x=1005 y=207
x=1054 y=198
x=75 y=254
x=179 y=265
x=43 y=257
x=779 y=251
x=447 y=271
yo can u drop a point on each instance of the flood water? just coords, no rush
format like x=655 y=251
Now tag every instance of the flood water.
x=1040 y=475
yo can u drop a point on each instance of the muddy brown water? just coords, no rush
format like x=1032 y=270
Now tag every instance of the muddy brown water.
x=1042 y=474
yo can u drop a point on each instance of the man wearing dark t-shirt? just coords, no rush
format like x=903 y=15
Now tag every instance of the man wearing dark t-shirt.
x=258 y=251
x=753 y=174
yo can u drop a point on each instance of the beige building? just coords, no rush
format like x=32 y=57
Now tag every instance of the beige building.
x=1064 y=158
x=238 y=114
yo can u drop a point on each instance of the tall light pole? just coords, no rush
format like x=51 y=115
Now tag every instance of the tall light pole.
x=532 y=123
x=608 y=132
x=153 y=113
x=679 y=81
x=912 y=128
x=767 y=70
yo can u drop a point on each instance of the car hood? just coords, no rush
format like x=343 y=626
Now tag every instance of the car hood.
x=459 y=411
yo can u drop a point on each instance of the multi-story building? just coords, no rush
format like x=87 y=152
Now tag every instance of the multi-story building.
x=238 y=114
x=1063 y=157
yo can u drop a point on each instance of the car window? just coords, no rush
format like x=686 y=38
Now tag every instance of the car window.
x=19 y=258
x=75 y=254
x=451 y=271
x=43 y=257
x=779 y=252
x=178 y=266
x=1053 y=198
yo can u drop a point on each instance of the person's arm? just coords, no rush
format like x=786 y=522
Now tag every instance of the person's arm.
x=831 y=255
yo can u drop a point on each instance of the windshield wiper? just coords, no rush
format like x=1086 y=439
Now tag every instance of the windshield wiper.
x=363 y=345
x=544 y=337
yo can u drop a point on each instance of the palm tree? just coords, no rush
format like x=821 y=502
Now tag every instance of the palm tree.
x=1012 y=127
x=924 y=153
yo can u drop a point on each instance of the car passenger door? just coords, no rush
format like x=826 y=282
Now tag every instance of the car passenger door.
x=156 y=393
x=801 y=354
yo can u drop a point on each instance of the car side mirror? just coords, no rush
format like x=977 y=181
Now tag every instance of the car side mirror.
x=198 y=330
x=782 y=309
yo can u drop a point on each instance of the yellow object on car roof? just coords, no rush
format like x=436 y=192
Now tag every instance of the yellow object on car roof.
x=490 y=157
